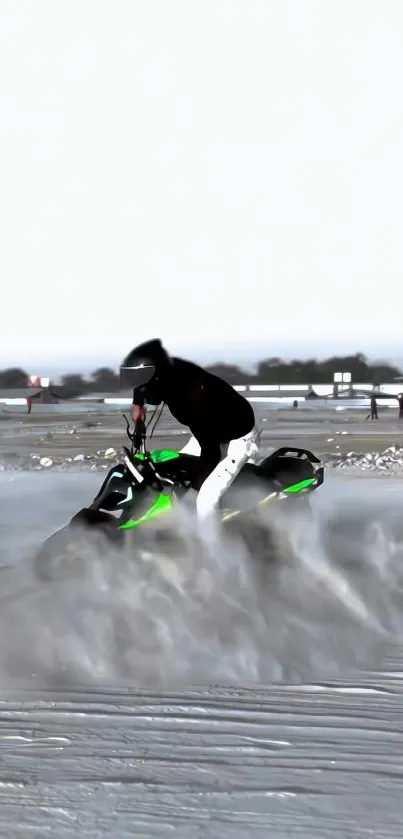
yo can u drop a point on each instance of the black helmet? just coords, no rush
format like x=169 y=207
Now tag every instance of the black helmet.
x=141 y=365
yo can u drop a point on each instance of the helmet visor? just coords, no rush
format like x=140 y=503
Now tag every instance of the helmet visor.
x=136 y=377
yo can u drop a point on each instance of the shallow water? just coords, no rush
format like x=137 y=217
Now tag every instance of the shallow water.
x=261 y=402
x=320 y=759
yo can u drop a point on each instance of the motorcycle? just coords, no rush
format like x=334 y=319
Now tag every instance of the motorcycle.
x=140 y=492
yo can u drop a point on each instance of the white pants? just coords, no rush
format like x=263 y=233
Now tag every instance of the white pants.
x=239 y=451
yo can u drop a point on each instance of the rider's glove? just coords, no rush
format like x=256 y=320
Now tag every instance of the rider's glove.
x=139 y=433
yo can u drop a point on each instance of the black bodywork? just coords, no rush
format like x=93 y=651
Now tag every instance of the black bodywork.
x=133 y=486
x=122 y=491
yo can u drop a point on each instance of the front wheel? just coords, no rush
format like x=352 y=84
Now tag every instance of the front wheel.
x=67 y=553
x=57 y=558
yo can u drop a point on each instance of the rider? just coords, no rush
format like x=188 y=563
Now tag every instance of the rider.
x=217 y=415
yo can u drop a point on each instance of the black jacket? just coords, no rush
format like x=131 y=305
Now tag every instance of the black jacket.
x=213 y=411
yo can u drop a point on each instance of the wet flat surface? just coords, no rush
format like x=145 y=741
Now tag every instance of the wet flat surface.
x=315 y=762
x=320 y=759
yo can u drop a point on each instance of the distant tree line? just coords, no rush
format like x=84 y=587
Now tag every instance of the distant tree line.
x=269 y=371
x=310 y=371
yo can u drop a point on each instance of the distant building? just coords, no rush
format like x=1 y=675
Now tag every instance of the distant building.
x=122 y=397
x=34 y=381
x=42 y=392
x=312 y=394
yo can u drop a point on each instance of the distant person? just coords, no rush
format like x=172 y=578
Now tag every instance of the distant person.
x=215 y=413
x=29 y=404
x=373 y=408
x=373 y=413
x=400 y=403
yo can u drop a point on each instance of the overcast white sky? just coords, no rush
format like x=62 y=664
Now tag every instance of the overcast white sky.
x=225 y=175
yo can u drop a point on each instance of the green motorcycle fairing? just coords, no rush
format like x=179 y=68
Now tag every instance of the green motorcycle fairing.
x=163 y=502
x=159 y=455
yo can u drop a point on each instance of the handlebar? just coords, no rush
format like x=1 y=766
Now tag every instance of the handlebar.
x=138 y=443
x=138 y=436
